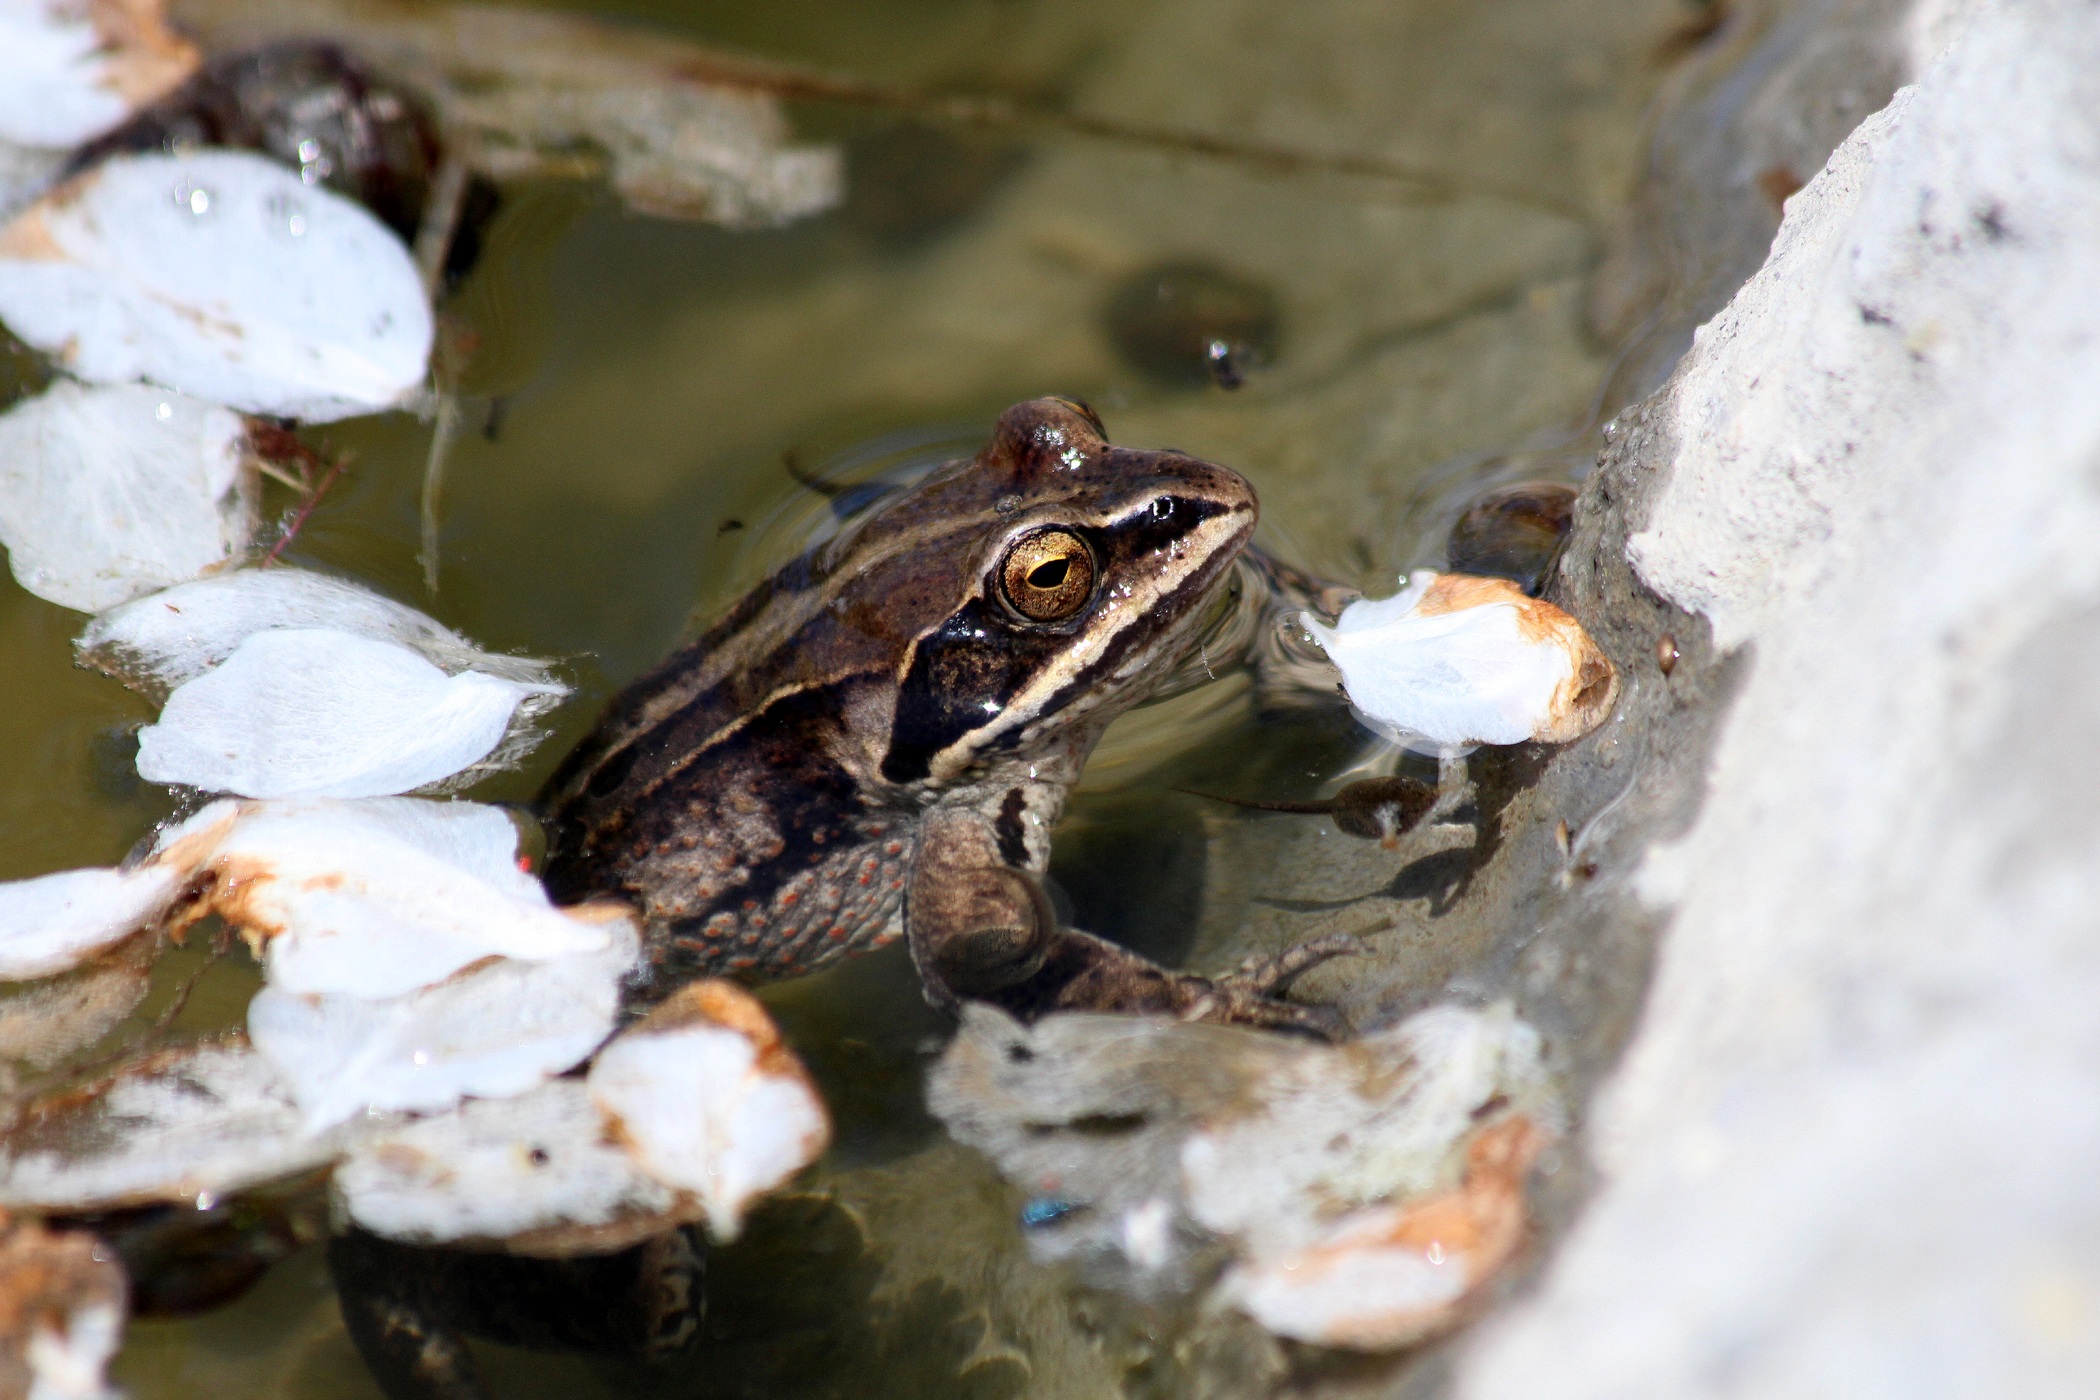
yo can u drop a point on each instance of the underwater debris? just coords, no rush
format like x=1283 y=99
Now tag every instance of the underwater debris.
x=223 y=275
x=535 y=1172
x=158 y=643
x=61 y=1312
x=108 y=492
x=1452 y=661
x=1157 y=1151
x=523 y=93
x=201 y=1120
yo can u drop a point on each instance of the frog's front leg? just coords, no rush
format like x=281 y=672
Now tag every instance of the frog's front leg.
x=982 y=929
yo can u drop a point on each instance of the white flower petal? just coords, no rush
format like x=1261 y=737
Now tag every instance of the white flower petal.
x=55 y=922
x=496 y=1169
x=220 y=274
x=70 y=71
x=315 y=712
x=157 y=643
x=108 y=493
x=1453 y=661
x=377 y=898
x=493 y=1031
x=708 y=1100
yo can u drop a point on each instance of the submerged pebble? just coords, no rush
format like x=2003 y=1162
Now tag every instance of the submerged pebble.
x=1514 y=532
x=223 y=275
x=1453 y=660
x=1186 y=323
x=108 y=492
x=307 y=105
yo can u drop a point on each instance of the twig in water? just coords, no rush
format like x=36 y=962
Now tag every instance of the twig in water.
x=306 y=508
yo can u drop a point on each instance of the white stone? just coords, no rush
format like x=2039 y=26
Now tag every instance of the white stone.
x=1452 y=661
x=494 y=1030
x=707 y=1100
x=313 y=712
x=377 y=898
x=1851 y=1147
x=110 y=492
x=55 y=922
x=220 y=274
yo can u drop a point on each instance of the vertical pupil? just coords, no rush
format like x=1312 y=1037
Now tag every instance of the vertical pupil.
x=1049 y=575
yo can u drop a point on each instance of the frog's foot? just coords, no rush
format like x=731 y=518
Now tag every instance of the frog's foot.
x=1085 y=973
x=1253 y=995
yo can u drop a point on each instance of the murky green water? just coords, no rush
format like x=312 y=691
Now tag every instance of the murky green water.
x=641 y=381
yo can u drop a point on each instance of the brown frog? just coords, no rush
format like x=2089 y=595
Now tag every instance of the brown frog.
x=877 y=741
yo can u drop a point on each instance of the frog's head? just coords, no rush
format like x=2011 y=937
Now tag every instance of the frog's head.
x=1053 y=579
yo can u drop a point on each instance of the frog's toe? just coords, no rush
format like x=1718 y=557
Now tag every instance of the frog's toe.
x=1230 y=1002
x=1272 y=975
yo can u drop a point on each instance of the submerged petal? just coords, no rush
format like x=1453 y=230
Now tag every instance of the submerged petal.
x=218 y=273
x=1391 y=1275
x=107 y=493
x=535 y=1172
x=206 y=1119
x=312 y=712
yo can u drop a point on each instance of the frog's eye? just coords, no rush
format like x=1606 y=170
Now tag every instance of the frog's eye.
x=1047 y=576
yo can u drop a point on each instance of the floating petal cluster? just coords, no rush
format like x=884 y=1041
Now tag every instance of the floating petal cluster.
x=1454 y=660
x=1353 y=1196
x=411 y=968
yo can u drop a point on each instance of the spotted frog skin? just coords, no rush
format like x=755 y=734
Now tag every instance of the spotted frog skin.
x=877 y=741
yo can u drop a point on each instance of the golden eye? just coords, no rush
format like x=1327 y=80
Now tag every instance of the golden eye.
x=1048 y=576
